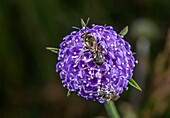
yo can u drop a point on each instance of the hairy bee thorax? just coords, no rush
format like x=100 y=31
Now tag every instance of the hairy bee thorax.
x=89 y=41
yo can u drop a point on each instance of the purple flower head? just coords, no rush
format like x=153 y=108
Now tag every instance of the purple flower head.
x=100 y=71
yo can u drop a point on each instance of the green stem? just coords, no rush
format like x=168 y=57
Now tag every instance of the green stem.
x=111 y=109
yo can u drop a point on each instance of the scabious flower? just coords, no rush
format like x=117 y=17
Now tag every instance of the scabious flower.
x=80 y=73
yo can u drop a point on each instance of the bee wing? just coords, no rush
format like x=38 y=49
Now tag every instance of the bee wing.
x=115 y=97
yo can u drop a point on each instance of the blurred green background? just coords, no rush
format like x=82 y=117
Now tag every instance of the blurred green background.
x=29 y=85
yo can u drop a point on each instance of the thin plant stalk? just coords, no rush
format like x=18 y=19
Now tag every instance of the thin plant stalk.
x=111 y=109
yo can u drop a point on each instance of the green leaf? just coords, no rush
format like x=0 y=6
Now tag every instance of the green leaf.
x=83 y=24
x=55 y=50
x=124 y=31
x=68 y=93
x=87 y=21
x=134 y=84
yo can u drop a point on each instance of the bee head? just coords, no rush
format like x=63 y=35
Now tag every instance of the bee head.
x=89 y=40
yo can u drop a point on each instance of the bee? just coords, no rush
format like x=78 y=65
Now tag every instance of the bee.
x=94 y=47
x=107 y=95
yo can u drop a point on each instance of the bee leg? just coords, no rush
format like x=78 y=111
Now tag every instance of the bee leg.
x=80 y=56
x=102 y=46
